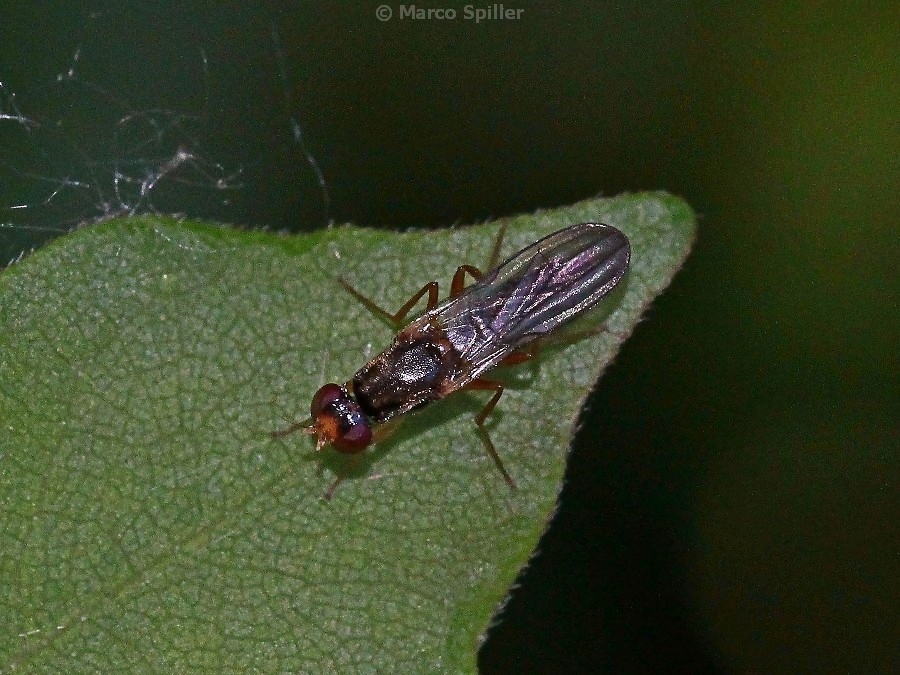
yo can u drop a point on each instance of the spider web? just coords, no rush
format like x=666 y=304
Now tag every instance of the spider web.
x=75 y=152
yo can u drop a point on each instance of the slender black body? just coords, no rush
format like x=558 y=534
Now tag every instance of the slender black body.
x=450 y=346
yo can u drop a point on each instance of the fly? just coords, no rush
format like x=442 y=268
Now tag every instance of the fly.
x=452 y=345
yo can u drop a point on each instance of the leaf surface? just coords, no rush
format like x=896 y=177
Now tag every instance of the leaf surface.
x=149 y=521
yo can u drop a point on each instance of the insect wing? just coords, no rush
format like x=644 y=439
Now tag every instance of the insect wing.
x=538 y=289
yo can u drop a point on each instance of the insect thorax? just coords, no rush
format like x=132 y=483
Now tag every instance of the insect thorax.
x=412 y=372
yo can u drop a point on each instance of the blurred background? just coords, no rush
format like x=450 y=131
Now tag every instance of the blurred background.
x=732 y=499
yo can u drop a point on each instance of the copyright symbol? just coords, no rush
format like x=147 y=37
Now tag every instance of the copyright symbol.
x=383 y=13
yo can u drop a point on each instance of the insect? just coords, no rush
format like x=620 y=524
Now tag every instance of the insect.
x=453 y=344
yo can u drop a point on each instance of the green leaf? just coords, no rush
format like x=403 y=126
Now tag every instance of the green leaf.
x=149 y=521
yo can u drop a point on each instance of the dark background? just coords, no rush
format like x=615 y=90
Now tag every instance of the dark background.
x=732 y=500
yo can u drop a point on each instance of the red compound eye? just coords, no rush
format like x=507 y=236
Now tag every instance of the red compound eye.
x=327 y=394
x=355 y=439
x=339 y=420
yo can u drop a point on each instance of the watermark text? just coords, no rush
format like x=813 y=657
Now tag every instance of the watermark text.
x=476 y=13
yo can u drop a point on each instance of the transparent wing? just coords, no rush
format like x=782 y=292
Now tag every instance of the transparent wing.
x=538 y=289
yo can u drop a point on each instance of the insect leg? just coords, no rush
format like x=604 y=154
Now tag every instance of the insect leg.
x=495 y=249
x=381 y=433
x=522 y=355
x=459 y=279
x=533 y=350
x=568 y=337
x=296 y=426
x=306 y=425
x=395 y=319
x=456 y=287
x=329 y=493
x=498 y=387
